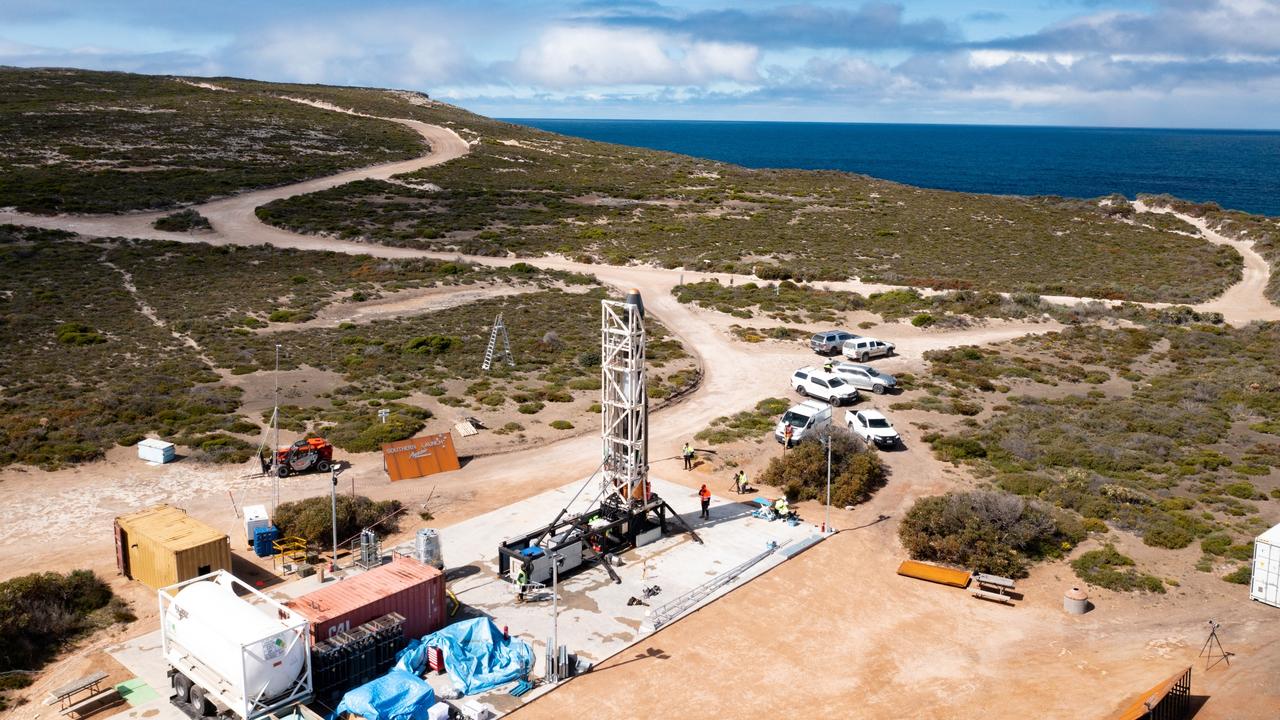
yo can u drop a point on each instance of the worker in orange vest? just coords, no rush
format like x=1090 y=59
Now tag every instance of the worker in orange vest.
x=705 y=495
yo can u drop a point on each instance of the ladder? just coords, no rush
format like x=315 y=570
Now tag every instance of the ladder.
x=499 y=328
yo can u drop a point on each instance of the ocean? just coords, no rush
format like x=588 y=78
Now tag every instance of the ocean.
x=1237 y=169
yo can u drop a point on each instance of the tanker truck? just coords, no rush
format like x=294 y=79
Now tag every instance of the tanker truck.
x=232 y=651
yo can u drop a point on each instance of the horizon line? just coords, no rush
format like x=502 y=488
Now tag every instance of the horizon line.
x=1261 y=130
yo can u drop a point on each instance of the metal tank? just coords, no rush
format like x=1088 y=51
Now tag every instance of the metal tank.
x=228 y=653
x=1075 y=601
x=426 y=547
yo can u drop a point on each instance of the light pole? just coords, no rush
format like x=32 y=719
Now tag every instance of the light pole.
x=333 y=510
x=275 y=449
x=556 y=559
x=826 y=523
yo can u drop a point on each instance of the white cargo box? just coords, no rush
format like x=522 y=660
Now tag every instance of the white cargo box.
x=255 y=516
x=156 y=451
x=1264 y=586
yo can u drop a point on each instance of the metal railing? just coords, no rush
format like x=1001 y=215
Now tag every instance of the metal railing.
x=678 y=605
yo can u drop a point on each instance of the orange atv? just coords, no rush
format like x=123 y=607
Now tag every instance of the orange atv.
x=312 y=454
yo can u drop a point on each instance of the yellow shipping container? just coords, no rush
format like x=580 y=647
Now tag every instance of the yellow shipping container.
x=162 y=545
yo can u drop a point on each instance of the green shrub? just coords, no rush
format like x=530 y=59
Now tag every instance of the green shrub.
x=531 y=408
x=1243 y=490
x=432 y=344
x=1240 y=576
x=1216 y=544
x=856 y=473
x=923 y=320
x=954 y=448
x=76 y=333
x=1167 y=533
x=40 y=613
x=561 y=424
x=984 y=531
x=311 y=519
x=1103 y=568
x=182 y=221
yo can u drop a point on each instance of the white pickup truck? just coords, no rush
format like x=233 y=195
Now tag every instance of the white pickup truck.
x=872 y=426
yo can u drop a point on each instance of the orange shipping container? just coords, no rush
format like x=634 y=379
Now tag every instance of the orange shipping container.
x=404 y=586
x=420 y=456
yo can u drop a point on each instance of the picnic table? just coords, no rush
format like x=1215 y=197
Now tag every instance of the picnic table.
x=96 y=699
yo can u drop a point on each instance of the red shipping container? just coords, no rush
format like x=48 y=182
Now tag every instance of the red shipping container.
x=404 y=586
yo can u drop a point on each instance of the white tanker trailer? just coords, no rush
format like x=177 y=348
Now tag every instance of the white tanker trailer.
x=231 y=656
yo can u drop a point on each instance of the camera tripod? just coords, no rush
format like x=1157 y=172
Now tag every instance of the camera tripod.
x=1207 y=650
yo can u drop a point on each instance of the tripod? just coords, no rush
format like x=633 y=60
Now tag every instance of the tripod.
x=1207 y=651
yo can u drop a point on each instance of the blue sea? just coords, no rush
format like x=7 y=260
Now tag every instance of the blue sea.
x=1238 y=169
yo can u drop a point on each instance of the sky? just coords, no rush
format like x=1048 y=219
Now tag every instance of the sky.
x=1115 y=63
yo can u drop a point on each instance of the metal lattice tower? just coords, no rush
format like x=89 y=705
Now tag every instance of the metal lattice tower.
x=499 y=329
x=624 y=402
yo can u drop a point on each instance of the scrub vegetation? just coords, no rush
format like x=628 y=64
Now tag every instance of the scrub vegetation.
x=83 y=367
x=748 y=424
x=99 y=142
x=312 y=519
x=1169 y=432
x=1261 y=230
x=530 y=192
x=987 y=531
x=857 y=471
x=42 y=612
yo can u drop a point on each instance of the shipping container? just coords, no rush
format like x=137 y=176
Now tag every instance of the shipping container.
x=156 y=451
x=1264 y=585
x=405 y=586
x=162 y=546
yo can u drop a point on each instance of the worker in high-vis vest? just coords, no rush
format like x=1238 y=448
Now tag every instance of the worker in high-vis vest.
x=688 y=456
x=705 y=495
x=522 y=580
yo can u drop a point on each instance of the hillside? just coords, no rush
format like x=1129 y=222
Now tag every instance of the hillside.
x=93 y=142
x=529 y=192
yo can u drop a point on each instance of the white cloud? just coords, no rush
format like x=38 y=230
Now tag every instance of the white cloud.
x=589 y=56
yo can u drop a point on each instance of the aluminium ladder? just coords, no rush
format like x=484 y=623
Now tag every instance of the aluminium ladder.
x=499 y=328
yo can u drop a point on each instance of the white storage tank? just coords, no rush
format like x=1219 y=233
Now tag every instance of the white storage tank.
x=248 y=656
x=156 y=451
x=1264 y=586
x=255 y=516
x=426 y=548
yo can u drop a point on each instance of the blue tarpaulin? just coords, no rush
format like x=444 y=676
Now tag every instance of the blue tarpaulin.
x=395 y=696
x=476 y=655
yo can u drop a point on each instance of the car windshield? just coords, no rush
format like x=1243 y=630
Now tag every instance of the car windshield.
x=835 y=382
x=879 y=423
x=795 y=419
x=872 y=371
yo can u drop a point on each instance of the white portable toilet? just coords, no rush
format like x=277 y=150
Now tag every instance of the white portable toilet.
x=1264 y=585
x=156 y=451
x=255 y=516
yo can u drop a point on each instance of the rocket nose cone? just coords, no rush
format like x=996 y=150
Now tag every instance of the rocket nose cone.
x=633 y=298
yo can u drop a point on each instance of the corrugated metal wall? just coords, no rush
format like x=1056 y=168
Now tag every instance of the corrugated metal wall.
x=405 y=586
x=150 y=553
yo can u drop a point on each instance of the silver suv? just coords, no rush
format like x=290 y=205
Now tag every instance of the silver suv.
x=829 y=342
x=864 y=377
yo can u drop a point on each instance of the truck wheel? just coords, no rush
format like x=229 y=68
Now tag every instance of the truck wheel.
x=323 y=466
x=800 y=389
x=200 y=703
x=283 y=471
x=181 y=688
x=865 y=356
x=877 y=389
